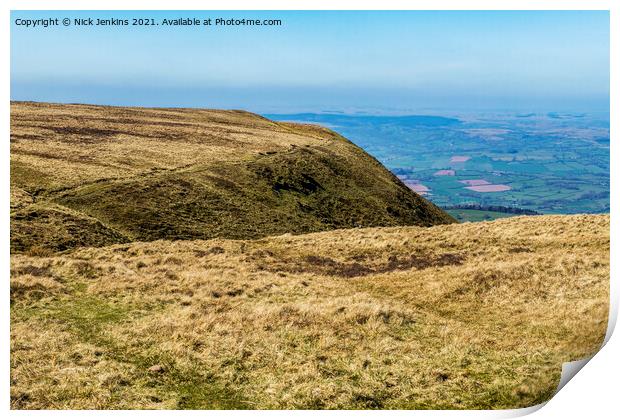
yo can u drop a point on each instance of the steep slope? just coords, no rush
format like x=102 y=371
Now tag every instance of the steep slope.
x=147 y=174
x=474 y=315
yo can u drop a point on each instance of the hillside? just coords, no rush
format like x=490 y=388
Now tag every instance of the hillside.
x=474 y=315
x=85 y=175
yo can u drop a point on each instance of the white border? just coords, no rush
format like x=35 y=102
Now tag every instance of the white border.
x=589 y=395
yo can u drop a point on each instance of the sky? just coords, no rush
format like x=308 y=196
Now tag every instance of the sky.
x=373 y=61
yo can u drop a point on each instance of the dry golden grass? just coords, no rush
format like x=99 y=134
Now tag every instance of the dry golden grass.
x=70 y=145
x=475 y=315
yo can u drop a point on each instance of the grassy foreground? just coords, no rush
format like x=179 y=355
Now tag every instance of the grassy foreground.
x=477 y=315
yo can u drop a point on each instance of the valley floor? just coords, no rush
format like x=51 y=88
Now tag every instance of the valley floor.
x=476 y=315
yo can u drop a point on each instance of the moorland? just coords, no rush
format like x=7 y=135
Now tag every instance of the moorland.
x=191 y=259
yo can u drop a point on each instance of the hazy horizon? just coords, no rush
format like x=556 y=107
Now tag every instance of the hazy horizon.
x=401 y=62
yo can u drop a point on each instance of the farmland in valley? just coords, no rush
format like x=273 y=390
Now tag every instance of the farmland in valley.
x=550 y=163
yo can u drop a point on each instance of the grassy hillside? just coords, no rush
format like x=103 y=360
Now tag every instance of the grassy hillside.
x=85 y=175
x=477 y=315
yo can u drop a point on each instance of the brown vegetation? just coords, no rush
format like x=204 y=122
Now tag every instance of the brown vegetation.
x=477 y=315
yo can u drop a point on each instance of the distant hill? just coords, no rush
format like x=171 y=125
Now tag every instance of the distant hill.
x=402 y=120
x=84 y=175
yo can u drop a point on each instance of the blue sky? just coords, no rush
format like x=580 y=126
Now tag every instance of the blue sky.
x=384 y=61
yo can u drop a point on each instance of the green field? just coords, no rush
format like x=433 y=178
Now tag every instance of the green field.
x=465 y=215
